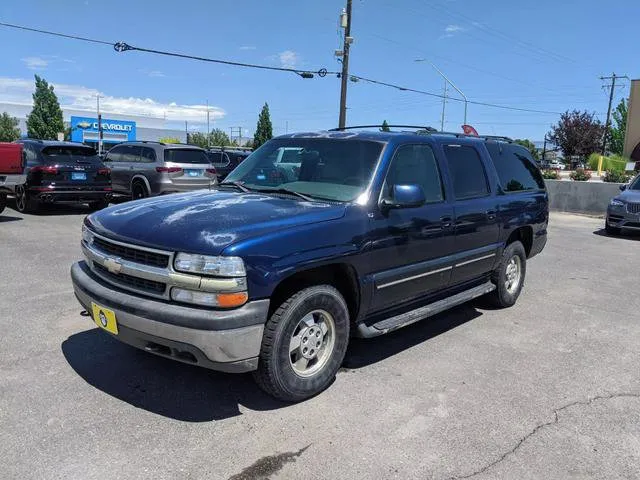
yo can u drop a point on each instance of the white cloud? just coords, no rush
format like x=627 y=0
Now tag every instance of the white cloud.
x=78 y=97
x=35 y=63
x=288 y=58
x=453 y=28
x=152 y=73
x=247 y=47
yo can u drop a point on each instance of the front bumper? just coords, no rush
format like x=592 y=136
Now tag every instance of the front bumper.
x=620 y=218
x=226 y=340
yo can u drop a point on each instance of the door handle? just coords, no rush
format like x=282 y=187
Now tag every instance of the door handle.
x=445 y=222
x=491 y=214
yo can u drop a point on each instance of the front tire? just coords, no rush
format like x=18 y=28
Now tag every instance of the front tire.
x=304 y=344
x=615 y=231
x=3 y=202
x=25 y=203
x=509 y=276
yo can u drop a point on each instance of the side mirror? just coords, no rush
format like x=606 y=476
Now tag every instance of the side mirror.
x=405 y=196
x=623 y=188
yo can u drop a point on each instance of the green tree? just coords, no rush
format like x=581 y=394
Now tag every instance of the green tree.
x=9 y=130
x=529 y=145
x=217 y=137
x=618 y=131
x=169 y=140
x=577 y=133
x=385 y=127
x=45 y=120
x=264 y=129
x=197 y=138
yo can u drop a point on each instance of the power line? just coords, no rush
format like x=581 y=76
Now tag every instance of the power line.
x=123 y=47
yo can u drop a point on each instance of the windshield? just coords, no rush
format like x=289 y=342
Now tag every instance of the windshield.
x=185 y=155
x=635 y=185
x=64 y=153
x=325 y=168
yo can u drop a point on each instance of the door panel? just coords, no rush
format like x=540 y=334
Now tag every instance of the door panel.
x=411 y=247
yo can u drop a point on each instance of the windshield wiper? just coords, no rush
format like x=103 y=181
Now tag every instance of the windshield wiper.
x=239 y=185
x=284 y=191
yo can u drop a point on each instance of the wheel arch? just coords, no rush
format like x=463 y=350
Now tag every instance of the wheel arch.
x=524 y=235
x=140 y=178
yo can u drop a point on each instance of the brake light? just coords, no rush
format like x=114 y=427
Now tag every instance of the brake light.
x=212 y=171
x=53 y=170
x=168 y=169
x=104 y=171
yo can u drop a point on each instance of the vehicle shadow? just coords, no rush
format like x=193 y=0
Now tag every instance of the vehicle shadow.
x=162 y=386
x=625 y=235
x=363 y=352
x=194 y=394
x=5 y=218
x=51 y=209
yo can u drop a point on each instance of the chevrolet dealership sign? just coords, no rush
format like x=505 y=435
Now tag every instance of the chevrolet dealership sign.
x=84 y=128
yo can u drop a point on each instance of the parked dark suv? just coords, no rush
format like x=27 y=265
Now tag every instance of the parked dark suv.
x=272 y=274
x=62 y=172
x=142 y=169
x=225 y=159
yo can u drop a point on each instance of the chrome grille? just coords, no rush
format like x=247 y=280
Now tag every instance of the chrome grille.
x=633 y=207
x=129 y=281
x=143 y=257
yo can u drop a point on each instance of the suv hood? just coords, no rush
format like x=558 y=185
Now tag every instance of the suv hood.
x=206 y=222
x=630 y=196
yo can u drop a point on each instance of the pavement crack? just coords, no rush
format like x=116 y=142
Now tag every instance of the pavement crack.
x=541 y=426
x=267 y=466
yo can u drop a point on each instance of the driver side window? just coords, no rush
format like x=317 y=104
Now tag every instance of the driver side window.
x=415 y=165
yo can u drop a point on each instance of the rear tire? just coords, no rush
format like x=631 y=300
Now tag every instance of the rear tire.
x=3 y=201
x=138 y=191
x=25 y=203
x=615 y=231
x=304 y=344
x=98 y=204
x=509 y=276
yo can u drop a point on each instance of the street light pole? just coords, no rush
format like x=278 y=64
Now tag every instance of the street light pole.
x=99 y=125
x=453 y=85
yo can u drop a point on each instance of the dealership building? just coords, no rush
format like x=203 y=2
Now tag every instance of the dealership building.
x=632 y=137
x=116 y=128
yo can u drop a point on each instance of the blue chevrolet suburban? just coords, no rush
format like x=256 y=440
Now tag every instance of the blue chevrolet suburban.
x=274 y=269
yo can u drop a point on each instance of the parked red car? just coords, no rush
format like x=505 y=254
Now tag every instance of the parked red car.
x=12 y=163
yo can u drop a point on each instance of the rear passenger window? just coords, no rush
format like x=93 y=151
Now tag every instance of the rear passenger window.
x=516 y=169
x=148 y=155
x=131 y=154
x=416 y=164
x=467 y=172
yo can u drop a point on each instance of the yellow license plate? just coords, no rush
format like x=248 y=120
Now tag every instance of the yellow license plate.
x=105 y=318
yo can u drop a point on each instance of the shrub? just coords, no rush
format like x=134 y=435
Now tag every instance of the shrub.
x=550 y=174
x=615 y=163
x=615 y=177
x=580 y=175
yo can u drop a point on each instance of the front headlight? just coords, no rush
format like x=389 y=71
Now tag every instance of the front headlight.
x=616 y=203
x=208 y=265
x=87 y=236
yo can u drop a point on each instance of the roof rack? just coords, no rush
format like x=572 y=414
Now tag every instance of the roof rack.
x=229 y=147
x=354 y=127
x=484 y=137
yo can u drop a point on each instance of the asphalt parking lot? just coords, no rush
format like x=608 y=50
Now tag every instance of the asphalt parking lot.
x=547 y=389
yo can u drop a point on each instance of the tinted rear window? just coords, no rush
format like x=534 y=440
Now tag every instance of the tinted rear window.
x=516 y=168
x=63 y=153
x=185 y=155
x=467 y=172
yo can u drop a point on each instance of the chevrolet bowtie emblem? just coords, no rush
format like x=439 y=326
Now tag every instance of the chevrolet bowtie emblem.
x=112 y=265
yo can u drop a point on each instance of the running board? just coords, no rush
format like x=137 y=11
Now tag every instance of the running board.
x=413 y=316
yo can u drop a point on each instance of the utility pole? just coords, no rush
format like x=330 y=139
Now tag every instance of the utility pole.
x=612 y=87
x=186 y=132
x=100 y=136
x=444 y=103
x=344 y=77
x=208 y=130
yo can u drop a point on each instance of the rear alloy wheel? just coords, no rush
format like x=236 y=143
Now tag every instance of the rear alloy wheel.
x=25 y=203
x=138 y=191
x=509 y=276
x=3 y=201
x=304 y=343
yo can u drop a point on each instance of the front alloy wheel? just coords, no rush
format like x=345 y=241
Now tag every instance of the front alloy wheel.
x=303 y=344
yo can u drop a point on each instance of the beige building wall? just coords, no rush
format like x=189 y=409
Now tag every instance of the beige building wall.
x=632 y=136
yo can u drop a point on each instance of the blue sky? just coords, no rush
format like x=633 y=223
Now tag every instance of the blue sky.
x=545 y=55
